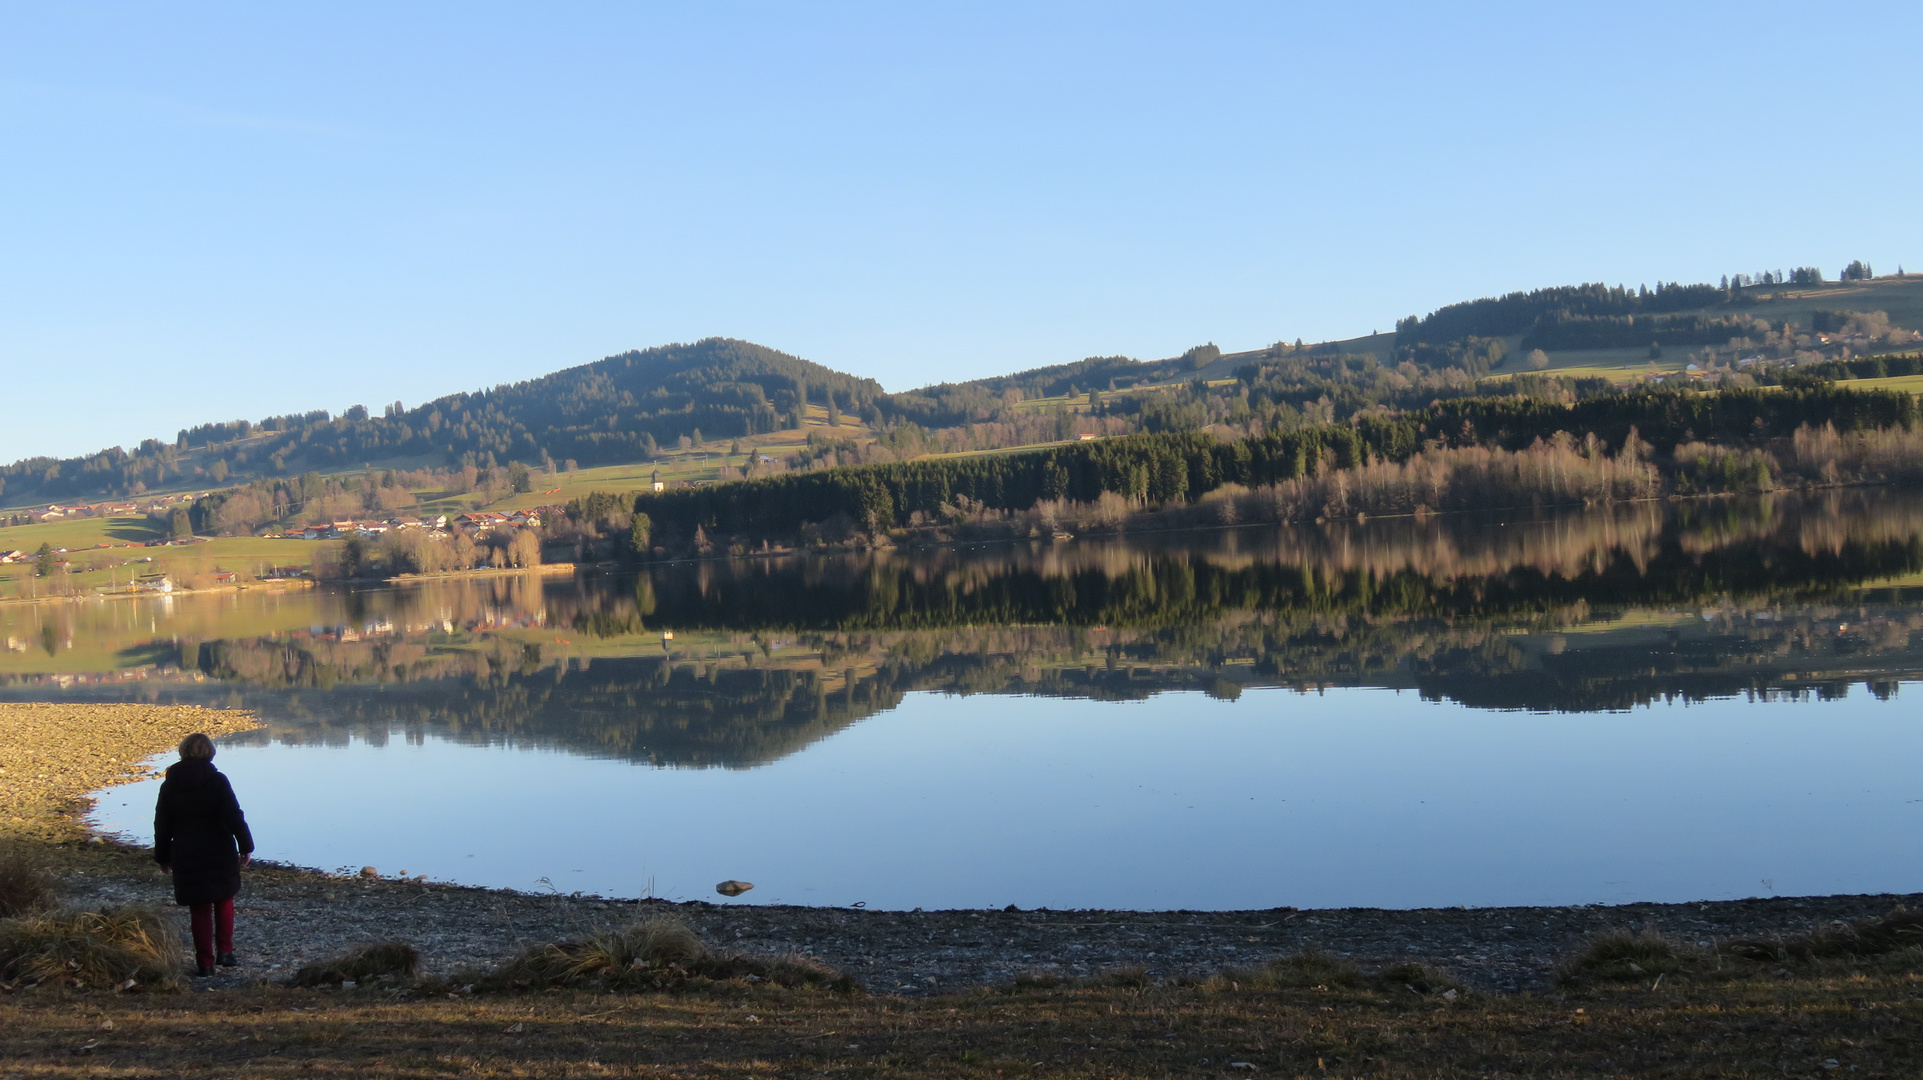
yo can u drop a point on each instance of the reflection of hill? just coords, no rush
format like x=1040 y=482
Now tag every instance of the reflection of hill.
x=643 y=710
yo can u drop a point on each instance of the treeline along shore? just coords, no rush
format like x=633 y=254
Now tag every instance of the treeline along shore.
x=1455 y=455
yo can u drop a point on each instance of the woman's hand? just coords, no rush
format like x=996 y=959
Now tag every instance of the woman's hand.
x=244 y=860
x=166 y=868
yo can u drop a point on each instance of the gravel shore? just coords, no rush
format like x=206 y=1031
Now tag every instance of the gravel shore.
x=52 y=755
x=299 y=917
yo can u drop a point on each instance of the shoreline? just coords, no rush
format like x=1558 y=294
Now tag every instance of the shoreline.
x=273 y=585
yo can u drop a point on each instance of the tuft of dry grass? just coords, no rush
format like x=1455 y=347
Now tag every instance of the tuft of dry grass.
x=113 y=948
x=1622 y=956
x=26 y=881
x=1307 y=970
x=653 y=954
x=1319 y=971
x=1900 y=929
x=383 y=959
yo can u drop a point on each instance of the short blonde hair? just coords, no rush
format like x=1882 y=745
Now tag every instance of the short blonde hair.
x=196 y=746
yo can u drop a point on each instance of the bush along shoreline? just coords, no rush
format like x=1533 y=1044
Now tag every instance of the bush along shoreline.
x=1470 y=454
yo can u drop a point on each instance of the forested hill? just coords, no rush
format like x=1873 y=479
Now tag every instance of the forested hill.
x=614 y=410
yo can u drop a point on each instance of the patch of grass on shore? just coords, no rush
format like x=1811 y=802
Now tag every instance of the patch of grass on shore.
x=1901 y=929
x=117 y=948
x=653 y=954
x=388 y=960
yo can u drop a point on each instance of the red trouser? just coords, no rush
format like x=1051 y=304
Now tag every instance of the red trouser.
x=209 y=918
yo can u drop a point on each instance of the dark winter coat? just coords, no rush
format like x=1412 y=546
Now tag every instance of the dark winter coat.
x=200 y=832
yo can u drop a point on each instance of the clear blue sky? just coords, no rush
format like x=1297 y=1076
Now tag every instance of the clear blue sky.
x=214 y=212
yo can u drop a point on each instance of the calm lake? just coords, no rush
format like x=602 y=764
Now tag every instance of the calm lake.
x=1694 y=700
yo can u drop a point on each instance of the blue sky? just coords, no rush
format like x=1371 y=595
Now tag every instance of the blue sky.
x=214 y=212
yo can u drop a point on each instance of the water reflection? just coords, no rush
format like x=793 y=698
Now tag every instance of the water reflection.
x=740 y=663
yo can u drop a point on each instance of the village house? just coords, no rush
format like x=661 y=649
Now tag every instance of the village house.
x=160 y=583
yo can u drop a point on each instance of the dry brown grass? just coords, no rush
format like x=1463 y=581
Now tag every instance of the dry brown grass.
x=1900 y=930
x=114 y=948
x=26 y=880
x=1626 y=956
x=653 y=954
x=381 y=960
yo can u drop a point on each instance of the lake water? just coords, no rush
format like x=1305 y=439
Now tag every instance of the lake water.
x=1662 y=702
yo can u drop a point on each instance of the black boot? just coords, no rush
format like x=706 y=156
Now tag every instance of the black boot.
x=227 y=960
x=204 y=971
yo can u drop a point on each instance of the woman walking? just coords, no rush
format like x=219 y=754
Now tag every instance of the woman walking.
x=201 y=838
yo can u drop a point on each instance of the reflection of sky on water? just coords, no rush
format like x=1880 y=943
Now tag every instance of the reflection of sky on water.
x=1354 y=797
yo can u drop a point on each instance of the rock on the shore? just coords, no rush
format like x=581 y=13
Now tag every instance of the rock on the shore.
x=731 y=887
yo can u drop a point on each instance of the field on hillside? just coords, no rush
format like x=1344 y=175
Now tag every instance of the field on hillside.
x=107 y=553
x=1911 y=383
x=699 y=464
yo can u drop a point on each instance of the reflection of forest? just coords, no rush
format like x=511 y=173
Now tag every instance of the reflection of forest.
x=737 y=663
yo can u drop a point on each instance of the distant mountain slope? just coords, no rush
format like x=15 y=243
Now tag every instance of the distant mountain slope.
x=614 y=410
x=625 y=408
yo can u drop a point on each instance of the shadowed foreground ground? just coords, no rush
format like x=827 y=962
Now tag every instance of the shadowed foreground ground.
x=1862 y=1020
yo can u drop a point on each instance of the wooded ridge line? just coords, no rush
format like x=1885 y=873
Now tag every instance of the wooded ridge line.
x=1162 y=468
